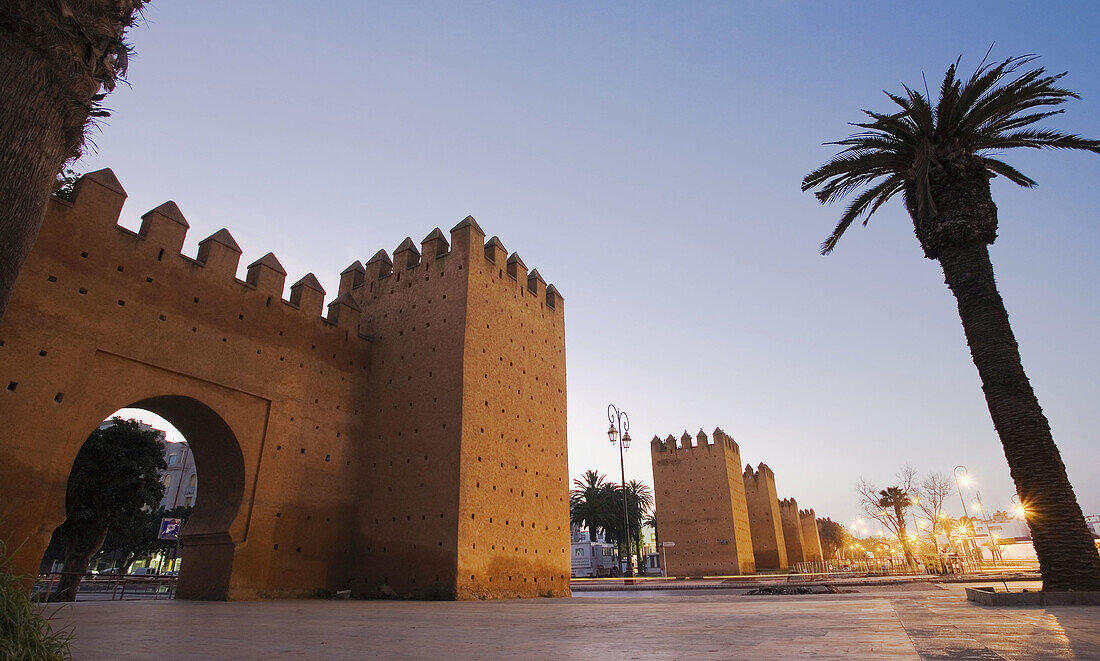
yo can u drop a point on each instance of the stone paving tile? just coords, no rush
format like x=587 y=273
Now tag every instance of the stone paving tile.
x=885 y=622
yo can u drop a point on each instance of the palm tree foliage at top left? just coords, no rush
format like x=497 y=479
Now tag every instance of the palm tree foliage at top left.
x=597 y=505
x=58 y=61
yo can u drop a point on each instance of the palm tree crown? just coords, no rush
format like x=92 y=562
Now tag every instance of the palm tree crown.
x=923 y=151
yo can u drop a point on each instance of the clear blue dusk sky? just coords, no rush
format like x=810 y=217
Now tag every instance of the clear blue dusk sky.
x=646 y=158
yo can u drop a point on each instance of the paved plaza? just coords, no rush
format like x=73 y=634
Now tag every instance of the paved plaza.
x=906 y=621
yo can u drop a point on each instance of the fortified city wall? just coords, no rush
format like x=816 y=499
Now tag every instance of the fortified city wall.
x=768 y=544
x=700 y=497
x=362 y=450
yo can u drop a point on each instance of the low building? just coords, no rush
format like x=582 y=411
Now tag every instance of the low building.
x=1002 y=527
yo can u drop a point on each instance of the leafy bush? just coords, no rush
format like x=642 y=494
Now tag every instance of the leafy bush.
x=24 y=633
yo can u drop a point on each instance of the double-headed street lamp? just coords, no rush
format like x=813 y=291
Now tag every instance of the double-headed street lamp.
x=619 y=432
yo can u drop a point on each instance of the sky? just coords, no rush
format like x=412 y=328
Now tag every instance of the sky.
x=646 y=157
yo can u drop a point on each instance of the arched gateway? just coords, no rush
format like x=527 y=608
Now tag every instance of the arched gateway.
x=413 y=441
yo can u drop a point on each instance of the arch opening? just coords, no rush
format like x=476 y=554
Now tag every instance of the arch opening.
x=206 y=548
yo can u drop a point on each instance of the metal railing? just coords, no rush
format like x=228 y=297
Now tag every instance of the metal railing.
x=886 y=567
x=108 y=586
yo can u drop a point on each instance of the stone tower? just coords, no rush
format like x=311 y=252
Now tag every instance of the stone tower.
x=768 y=545
x=792 y=531
x=811 y=539
x=701 y=505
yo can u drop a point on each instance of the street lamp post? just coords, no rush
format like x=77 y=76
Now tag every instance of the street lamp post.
x=962 y=502
x=993 y=548
x=966 y=476
x=619 y=433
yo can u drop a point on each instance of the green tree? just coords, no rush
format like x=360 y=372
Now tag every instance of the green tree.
x=650 y=521
x=639 y=501
x=597 y=505
x=66 y=183
x=834 y=537
x=896 y=499
x=589 y=502
x=939 y=159
x=137 y=536
x=58 y=61
x=114 y=478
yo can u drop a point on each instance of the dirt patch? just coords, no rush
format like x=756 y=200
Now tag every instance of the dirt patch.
x=798 y=589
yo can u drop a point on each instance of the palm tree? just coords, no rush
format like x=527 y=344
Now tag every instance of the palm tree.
x=896 y=499
x=588 y=503
x=58 y=61
x=939 y=159
x=650 y=520
x=639 y=502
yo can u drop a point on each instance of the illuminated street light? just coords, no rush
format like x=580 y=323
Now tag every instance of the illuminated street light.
x=1021 y=511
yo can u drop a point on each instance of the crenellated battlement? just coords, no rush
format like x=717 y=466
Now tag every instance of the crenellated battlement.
x=98 y=199
x=761 y=472
x=788 y=504
x=385 y=276
x=807 y=514
x=701 y=440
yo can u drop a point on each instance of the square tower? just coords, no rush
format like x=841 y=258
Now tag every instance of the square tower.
x=465 y=488
x=792 y=531
x=701 y=506
x=768 y=545
x=811 y=539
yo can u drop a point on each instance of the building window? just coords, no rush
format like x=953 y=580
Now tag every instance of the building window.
x=194 y=481
x=172 y=459
x=187 y=501
x=167 y=482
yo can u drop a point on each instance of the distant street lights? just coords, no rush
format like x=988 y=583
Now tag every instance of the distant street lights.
x=619 y=433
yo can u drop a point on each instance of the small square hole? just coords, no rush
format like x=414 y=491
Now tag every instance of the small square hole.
x=58 y=397
x=84 y=255
x=51 y=278
x=13 y=385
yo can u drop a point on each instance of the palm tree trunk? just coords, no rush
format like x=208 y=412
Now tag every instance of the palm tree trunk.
x=904 y=538
x=32 y=152
x=54 y=59
x=1067 y=556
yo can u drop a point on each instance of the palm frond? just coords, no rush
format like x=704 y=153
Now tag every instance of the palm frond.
x=996 y=108
x=1007 y=171
x=866 y=203
x=1041 y=139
